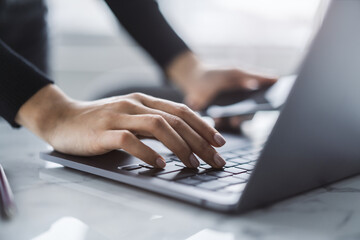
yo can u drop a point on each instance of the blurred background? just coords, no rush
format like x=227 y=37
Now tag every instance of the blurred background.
x=91 y=53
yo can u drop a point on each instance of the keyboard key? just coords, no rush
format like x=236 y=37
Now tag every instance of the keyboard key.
x=232 y=180
x=149 y=172
x=171 y=167
x=130 y=167
x=242 y=176
x=239 y=160
x=189 y=181
x=248 y=167
x=230 y=164
x=234 y=170
x=204 y=177
x=229 y=155
x=175 y=159
x=180 y=164
x=251 y=157
x=200 y=169
x=207 y=167
x=213 y=185
x=237 y=188
x=219 y=174
x=146 y=165
x=203 y=171
x=184 y=173
x=241 y=152
x=252 y=163
x=202 y=163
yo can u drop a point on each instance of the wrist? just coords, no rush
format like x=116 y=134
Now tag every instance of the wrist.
x=184 y=69
x=44 y=110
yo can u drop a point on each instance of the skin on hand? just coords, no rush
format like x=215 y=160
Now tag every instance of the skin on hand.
x=201 y=85
x=97 y=127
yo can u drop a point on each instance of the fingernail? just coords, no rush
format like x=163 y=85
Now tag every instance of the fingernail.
x=252 y=84
x=160 y=163
x=194 y=162
x=219 y=139
x=219 y=160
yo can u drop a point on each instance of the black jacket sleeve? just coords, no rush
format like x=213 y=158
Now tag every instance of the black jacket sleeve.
x=19 y=80
x=145 y=23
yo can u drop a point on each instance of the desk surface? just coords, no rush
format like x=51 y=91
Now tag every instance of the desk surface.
x=55 y=201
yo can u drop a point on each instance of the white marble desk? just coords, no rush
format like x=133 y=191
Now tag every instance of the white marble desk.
x=58 y=201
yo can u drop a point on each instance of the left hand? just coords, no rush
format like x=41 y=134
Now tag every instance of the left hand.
x=97 y=127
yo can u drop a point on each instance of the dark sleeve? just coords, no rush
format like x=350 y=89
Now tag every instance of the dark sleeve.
x=145 y=23
x=19 y=80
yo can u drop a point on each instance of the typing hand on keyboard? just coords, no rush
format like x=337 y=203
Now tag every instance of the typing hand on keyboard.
x=229 y=179
x=97 y=127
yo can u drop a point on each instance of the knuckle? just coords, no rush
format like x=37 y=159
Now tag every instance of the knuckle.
x=125 y=137
x=104 y=119
x=234 y=71
x=110 y=116
x=155 y=101
x=156 y=121
x=183 y=110
x=136 y=95
x=105 y=122
x=176 y=122
x=125 y=104
x=96 y=147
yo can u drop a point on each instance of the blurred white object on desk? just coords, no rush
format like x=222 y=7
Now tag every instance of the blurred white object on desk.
x=259 y=128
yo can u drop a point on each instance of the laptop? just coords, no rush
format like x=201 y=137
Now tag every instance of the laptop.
x=315 y=140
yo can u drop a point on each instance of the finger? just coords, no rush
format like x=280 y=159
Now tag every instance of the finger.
x=253 y=81
x=196 y=143
x=209 y=133
x=123 y=139
x=155 y=125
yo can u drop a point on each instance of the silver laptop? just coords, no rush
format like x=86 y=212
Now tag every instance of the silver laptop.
x=314 y=142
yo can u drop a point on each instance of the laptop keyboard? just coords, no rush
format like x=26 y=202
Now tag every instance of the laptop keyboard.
x=232 y=178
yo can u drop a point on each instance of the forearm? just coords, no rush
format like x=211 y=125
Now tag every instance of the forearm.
x=145 y=23
x=19 y=80
x=184 y=69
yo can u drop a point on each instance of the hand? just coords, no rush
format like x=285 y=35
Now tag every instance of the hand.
x=201 y=85
x=97 y=127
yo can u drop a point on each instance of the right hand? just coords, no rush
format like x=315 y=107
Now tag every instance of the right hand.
x=201 y=84
x=97 y=127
